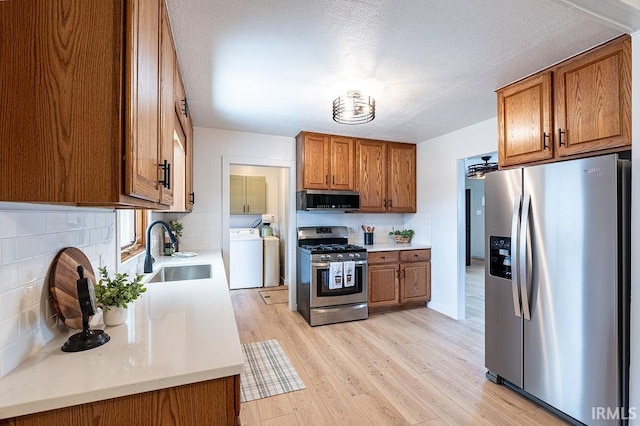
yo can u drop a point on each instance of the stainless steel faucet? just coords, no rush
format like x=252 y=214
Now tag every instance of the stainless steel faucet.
x=148 y=259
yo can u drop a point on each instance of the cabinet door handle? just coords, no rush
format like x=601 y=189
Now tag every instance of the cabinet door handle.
x=560 y=133
x=192 y=197
x=390 y=202
x=333 y=180
x=545 y=136
x=185 y=107
x=385 y=202
x=164 y=179
x=248 y=208
x=326 y=179
x=244 y=208
x=168 y=175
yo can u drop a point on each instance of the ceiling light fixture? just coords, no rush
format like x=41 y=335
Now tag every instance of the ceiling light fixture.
x=477 y=171
x=354 y=108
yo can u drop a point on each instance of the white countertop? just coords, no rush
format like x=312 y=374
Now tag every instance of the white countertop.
x=391 y=246
x=176 y=333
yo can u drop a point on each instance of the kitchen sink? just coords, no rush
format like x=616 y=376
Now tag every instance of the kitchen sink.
x=181 y=273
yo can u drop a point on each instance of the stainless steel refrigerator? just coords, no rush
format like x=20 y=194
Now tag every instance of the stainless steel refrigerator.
x=557 y=285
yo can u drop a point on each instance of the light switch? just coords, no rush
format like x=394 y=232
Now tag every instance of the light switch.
x=478 y=212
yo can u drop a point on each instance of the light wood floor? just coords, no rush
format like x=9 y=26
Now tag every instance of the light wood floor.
x=413 y=366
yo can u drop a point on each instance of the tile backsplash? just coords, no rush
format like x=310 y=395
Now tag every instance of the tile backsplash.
x=30 y=237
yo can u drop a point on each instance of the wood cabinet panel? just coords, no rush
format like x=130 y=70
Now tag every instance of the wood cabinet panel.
x=313 y=155
x=593 y=100
x=167 y=113
x=82 y=92
x=371 y=175
x=415 y=255
x=53 y=102
x=399 y=277
x=384 y=288
x=376 y=257
x=401 y=187
x=524 y=121
x=342 y=156
x=415 y=280
x=577 y=108
x=142 y=94
x=211 y=402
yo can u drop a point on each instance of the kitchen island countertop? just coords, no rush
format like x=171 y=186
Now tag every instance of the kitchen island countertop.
x=177 y=333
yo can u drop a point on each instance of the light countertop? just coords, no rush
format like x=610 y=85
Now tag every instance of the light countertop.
x=391 y=246
x=176 y=333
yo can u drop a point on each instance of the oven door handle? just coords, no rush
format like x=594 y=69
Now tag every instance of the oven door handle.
x=325 y=265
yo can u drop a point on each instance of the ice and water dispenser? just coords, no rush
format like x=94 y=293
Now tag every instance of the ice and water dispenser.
x=500 y=257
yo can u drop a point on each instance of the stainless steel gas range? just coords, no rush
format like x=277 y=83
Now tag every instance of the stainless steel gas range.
x=332 y=276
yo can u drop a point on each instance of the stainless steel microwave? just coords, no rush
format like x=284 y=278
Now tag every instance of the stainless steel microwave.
x=321 y=200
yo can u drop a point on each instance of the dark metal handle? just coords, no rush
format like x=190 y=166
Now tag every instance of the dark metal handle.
x=326 y=179
x=560 y=133
x=248 y=208
x=185 y=107
x=333 y=180
x=545 y=136
x=163 y=166
x=404 y=273
x=192 y=197
x=168 y=175
x=385 y=202
x=390 y=202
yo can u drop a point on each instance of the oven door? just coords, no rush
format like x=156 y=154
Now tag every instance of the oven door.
x=322 y=295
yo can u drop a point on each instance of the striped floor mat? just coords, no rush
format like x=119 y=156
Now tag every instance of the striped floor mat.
x=267 y=371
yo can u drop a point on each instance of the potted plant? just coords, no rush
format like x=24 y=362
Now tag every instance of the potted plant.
x=403 y=236
x=176 y=228
x=114 y=294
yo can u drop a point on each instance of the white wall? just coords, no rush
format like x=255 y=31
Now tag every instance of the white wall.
x=635 y=232
x=440 y=198
x=203 y=227
x=30 y=237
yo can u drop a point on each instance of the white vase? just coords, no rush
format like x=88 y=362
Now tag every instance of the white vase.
x=114 y=316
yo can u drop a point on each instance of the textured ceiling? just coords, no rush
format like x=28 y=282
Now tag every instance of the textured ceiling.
x=274 y=66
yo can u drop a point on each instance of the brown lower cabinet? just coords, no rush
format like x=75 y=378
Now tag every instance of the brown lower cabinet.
x=211 y=402
x=399 y=277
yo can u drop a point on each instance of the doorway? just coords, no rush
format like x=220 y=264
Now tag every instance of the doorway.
x=475 y=242
x=280 y=184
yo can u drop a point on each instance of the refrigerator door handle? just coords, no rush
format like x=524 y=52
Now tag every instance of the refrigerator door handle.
x=515 y=220
x=523 y=261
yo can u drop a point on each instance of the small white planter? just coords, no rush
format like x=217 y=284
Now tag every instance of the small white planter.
x=114 y=316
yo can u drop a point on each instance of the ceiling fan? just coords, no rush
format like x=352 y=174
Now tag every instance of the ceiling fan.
x=477 y=171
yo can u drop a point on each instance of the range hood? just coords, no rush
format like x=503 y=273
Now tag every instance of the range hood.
x=332 y=201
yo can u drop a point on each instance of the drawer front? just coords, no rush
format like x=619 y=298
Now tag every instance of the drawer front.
x=415 y=255
x=377 y=257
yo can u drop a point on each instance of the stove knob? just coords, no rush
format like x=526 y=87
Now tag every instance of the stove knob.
x=328 y=257
x=352 y=255
x=322 y=257
x=340 y=256
x=357 y=254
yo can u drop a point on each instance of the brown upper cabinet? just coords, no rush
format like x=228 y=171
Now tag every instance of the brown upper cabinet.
x=386 y=176
x=326 y=162
x=83 y=113
x=578 y=107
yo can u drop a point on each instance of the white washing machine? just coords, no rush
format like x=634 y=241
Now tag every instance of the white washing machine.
x=245 y=258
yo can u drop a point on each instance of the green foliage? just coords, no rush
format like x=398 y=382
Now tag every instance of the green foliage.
x=405 y=233
x=176 y=227
x=119 y=291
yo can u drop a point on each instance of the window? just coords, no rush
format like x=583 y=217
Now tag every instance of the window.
x=131 y=227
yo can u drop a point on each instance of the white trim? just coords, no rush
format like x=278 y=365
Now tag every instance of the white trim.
x=460 y=313
x=291 y=240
